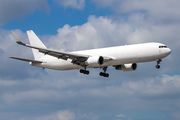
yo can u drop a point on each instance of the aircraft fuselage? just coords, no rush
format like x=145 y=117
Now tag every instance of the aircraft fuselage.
x=120 y=55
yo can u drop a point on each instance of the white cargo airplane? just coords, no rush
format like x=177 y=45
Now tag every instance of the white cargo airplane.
x=121 y=57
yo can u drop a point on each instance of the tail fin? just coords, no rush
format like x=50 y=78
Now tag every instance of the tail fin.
x=35 y=41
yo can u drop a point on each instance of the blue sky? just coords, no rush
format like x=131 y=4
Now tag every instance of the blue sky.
x=28 y=92
x=47 y=22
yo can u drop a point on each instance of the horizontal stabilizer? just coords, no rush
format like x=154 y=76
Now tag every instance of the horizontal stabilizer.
x=27 y=60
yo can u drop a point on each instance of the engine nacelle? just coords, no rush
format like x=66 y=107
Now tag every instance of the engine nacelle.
x=95 y=61
x=127 y=67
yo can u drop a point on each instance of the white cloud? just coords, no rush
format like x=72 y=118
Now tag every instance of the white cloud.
x=77 y=4
x=68 y=115
x=121 y=116
x=65 y=115
x=69 y=96
x=7 y=83
x=157 y=11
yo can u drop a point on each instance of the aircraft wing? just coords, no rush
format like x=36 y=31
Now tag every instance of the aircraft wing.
x=60 y=55
x=55 y=53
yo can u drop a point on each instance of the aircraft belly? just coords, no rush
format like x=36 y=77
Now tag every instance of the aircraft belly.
x=56 y=64
x=65 y=65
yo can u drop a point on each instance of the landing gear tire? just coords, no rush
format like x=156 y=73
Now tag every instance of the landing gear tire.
x=104 y=74
x=81 y=71
x=107 y=75
x=157 y=66
x=84 y=71
x=87 y=72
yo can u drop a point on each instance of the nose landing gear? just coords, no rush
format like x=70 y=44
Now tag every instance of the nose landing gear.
x=158 y=62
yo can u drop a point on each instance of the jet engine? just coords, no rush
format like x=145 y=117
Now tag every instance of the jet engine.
x=95 y=61
x=127 y=67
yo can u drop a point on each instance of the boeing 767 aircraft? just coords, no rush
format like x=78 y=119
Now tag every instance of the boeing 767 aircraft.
x=121 y=57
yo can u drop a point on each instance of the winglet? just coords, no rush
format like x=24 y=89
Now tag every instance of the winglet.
x=17 y=39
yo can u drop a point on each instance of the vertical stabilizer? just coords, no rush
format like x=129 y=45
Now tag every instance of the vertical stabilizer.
x=35 y=41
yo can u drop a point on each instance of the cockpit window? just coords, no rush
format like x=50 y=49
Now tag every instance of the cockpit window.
x=162 y=46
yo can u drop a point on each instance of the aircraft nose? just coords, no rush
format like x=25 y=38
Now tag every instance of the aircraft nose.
x=168 y=51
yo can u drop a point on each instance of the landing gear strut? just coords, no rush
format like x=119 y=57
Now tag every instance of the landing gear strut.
x=84 y=71
x=104 y=74
x=158 y=62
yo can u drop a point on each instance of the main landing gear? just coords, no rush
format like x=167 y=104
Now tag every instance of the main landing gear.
x=84 y=71
x=158 y=62
x=104 y=74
